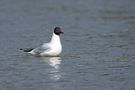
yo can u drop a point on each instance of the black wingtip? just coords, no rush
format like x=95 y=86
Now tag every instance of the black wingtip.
x=27 y=49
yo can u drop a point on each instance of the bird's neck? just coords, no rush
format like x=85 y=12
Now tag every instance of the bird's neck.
x=55 y=38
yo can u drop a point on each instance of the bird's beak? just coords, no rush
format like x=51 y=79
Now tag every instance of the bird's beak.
x=62 y=32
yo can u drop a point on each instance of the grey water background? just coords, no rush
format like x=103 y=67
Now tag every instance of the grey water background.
x=98 y=44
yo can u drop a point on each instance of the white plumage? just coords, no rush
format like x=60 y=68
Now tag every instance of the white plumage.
x=53 y=48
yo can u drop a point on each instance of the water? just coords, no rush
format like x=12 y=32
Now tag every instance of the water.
x=98 y=44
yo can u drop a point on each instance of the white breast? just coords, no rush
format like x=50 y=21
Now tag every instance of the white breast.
x=55 y=47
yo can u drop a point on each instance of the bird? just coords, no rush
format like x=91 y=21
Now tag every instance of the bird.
x=52 y=48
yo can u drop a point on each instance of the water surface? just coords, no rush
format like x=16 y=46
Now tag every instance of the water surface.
x=98 y=44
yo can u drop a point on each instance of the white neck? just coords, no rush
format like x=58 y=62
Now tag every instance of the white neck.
x=55 y=39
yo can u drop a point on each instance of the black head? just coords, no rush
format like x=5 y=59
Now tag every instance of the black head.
x=57 y=30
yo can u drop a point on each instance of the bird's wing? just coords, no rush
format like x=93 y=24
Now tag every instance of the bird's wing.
x=41 y=49
x=26 y=49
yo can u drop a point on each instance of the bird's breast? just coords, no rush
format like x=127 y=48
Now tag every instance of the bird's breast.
x=55 y=50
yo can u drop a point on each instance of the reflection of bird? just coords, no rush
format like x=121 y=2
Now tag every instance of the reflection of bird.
x=55 y=63
x=53 y=48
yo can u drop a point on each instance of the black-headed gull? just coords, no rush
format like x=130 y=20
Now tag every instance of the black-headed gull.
x=53 y=48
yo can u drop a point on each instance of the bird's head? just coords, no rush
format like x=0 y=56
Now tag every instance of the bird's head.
x=58 y=31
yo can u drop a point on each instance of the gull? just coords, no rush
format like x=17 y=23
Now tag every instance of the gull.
x=53 y=48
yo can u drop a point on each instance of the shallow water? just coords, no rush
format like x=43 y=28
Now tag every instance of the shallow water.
x=98 y=44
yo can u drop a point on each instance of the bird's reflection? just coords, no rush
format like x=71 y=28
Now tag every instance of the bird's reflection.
x=54 y=62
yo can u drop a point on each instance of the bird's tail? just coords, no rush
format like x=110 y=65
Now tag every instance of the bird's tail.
x=26 y=49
